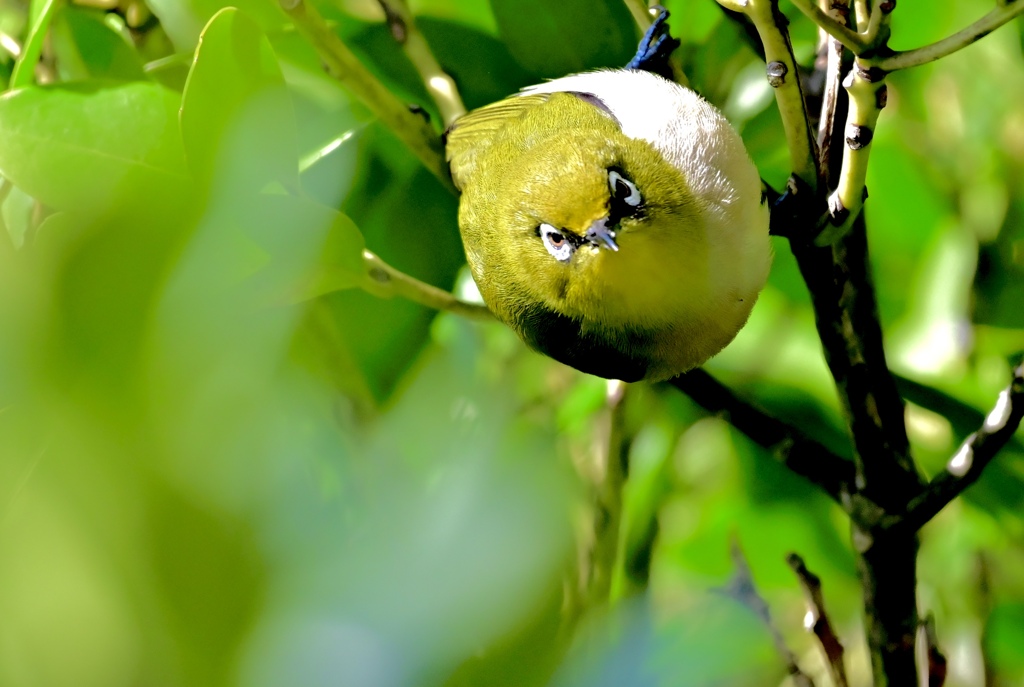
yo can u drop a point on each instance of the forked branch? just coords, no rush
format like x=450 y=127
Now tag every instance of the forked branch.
x=977 y=451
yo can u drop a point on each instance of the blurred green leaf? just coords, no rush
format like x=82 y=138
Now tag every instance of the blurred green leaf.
x=476 y=15
x=207 y=635
x=90 y=145
x=281 y=224
x=999 y=279
x=87 y=47
x=903 y=214
x=552 y=39
x=236 y=107
x=1004 y=636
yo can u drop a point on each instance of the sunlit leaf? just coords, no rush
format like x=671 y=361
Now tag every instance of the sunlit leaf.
x=88 y=145
x=42 y=12
x=237 y=120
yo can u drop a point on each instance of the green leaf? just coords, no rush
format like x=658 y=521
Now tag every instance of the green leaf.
x=86 y=47
x=999 y=279
x=82 y=146
x=552 y=39
x=237 y=119
x=289 y=229
x=24 y=69
x=183 y=20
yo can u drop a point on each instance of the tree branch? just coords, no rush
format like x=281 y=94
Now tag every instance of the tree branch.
x=741 y=587
x=344 y=66
x=851 y=39
x=959 y=40
x=385 y=281
x=783 y=76
x=977 y=451
x=439 y=85
x=817 y=620
x=843 y=298
x=803 y=455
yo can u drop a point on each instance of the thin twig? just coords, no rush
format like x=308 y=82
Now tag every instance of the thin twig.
x=793 y=448
x=851 y=39
x=783 y=76
x=439 y=84
x=877 y=31
x=344 y=66
x=959 y=40
x=817 y=620
x=831 y=107
x=861 y=15
x=741 y=587
x=977 y=451
x=385 y=281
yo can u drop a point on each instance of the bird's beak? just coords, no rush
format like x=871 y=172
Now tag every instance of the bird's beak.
x=600 y=234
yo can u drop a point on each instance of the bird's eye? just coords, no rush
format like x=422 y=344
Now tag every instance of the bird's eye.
x=623 y=190
x=560 y=247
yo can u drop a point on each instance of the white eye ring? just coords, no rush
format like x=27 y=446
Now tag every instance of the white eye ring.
x=556 y=242
x=614 y=179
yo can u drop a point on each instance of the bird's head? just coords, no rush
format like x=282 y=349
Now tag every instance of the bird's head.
x=600 y=228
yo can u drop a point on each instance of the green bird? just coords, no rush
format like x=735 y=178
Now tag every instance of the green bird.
x=614 y=220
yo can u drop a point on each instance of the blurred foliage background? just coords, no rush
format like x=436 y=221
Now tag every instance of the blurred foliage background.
x=207 y=480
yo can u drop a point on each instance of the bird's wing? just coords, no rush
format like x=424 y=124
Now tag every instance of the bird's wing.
x=472 y=134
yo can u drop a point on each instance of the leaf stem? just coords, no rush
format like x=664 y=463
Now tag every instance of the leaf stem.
x=385 y=281
x=959 y=40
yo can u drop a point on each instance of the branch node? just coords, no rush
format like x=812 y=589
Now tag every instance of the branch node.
x=882 y=97
x=858 y=136
x=776 y=73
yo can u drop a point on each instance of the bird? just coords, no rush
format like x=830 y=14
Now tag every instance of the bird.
x=613 y=219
